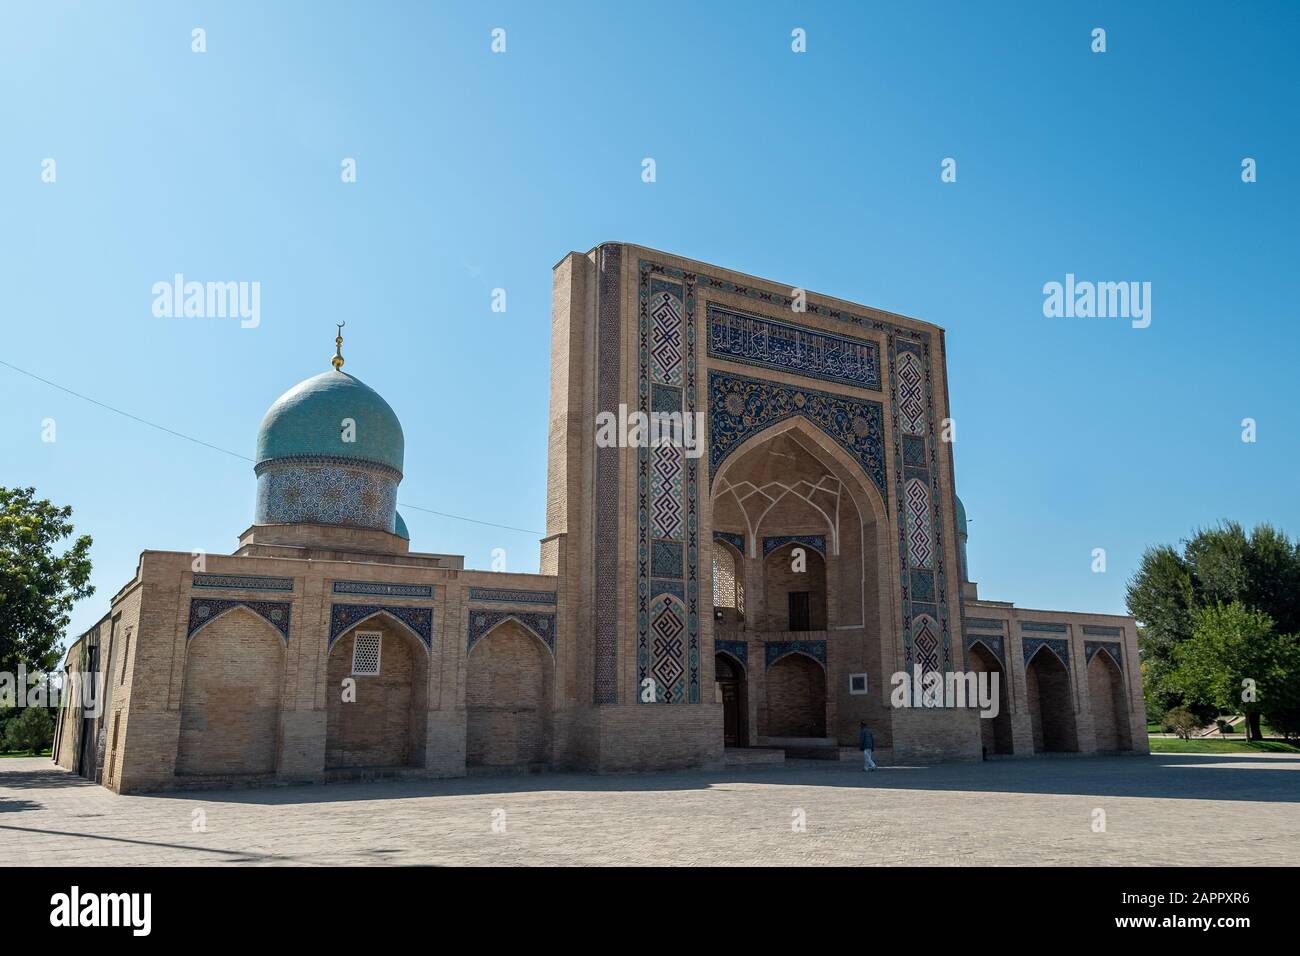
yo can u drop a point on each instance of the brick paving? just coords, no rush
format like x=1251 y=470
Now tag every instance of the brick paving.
x=1163 y=809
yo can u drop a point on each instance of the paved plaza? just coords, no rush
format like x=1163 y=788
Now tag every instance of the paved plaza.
x=1161 y=810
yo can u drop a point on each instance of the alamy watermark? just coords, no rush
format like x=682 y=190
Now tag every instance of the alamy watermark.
x=641 y=430
x=1102 y=300
x=179 y=299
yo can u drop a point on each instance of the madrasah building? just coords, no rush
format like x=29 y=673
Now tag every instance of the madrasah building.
x=818 y=511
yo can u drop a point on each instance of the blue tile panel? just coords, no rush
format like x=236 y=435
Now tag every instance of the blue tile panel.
x=380 y=589
x=1058 y=646
x=242 y=582
x=203 y=610
x=737 y=649
x=511 y=596
x=482 y=620
x=775 y=650
x=419 y=620
x=767 y=343
x=815 y=541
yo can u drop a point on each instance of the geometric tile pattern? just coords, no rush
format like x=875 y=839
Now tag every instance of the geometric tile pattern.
x=741 y=407
x=293 y=491
x=419 y=620
x=610 y=342
x=986 y=623
x=920 y=548
x=666 y=336
x=815 y=541
x=753 y=340
x=911 y=395
x=242 y=582
x=667 y=636
x=273 y=612
x=384 y=590
x=916 y=470
x=481 y=621
x=667 y=494
x=773 y=651
x=1050 y=628
x=667 y=625
x=925 y=641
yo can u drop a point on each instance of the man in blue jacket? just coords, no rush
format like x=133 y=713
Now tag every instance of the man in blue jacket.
x=867 y=742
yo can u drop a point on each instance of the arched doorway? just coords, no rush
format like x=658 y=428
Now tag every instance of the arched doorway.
x=1109 y=706
x=230 y=708
x=995 y=732
x=1051 y=706
x=382 y=721
x=730 y=678
x=796 y=697
x=508 y=699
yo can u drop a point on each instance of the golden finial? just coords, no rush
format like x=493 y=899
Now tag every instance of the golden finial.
x=337 y=360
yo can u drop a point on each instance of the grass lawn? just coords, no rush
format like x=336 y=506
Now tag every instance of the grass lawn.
x=26 y=753
x=1211 y=745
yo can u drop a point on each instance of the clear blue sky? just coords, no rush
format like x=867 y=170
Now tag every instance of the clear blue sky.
x=820 y=170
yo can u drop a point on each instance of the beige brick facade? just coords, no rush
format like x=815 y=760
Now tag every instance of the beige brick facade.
x=821 y=481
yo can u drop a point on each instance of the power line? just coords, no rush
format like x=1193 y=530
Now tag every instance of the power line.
x=235 y=454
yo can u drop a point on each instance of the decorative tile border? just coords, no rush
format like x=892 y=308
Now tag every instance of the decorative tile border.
x=737 y=649
x=775 y=650
x=984 y=623
x=481 y=621
x=668 y=627
x=609 y=343
x=203 y=612
x=741 y=407
x=419 y=620
x=1114 y=648
x=1058 y=646
x=815 y=541
x=927 y=638
x=1044 y=626
x=242 y=582
x=510 y=596
x=380 y=589
x=737 y=541
x=994 y=642
x=1101 y=631
x=798 y=350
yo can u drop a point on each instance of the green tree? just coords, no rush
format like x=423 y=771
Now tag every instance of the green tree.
x=1235 y=661
x=1215 y=566
x=32 y=730
x=37 y=585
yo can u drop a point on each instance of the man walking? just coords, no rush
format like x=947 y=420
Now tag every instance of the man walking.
x=867 y=741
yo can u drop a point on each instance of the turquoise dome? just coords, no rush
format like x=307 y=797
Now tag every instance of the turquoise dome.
x=400 y=530
x=961 y=517
x=308 y=420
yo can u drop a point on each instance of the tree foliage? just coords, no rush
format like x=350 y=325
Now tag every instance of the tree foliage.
x=1216 y=567
x=32 y=730
x=38 y=581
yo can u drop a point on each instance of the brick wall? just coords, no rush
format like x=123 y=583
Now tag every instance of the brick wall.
x=230 y=716
x=796 y=699
x=508 y=699
x=386 y=725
